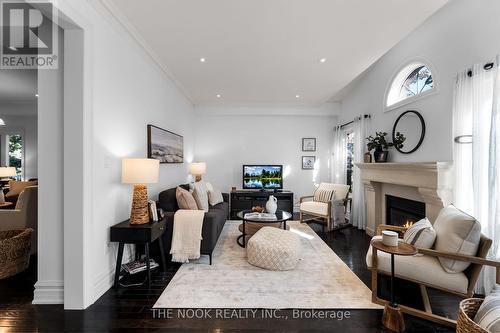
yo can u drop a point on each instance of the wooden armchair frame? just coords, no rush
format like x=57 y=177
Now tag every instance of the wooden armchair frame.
x=472 y=273
x=323 y=219
x=315 y=216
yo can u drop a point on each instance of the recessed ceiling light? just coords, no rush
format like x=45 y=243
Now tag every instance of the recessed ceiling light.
x=36 y=95
x=322 y=60
x=218 y=95
x=202 y=59
x=297 y=96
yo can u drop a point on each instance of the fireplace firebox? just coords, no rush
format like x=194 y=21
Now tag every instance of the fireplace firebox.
x=403 y=212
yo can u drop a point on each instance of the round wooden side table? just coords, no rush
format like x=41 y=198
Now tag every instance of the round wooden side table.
x=393 y=317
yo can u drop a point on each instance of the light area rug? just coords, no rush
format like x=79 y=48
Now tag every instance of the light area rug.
x=321 y=280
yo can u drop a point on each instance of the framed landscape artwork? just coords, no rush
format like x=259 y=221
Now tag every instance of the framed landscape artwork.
x=308 y=162
x=308 y=144
x=164 y=145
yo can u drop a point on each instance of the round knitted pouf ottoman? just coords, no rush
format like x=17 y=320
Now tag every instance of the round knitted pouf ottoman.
x=274 y=249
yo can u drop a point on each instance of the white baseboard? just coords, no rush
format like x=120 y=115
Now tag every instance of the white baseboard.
x=105 y=280
x=49 y=292
x=102 y=284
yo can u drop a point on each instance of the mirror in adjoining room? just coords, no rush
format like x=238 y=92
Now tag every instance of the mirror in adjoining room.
x=412 y=125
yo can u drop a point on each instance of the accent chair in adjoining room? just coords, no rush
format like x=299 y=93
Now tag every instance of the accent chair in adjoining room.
x=328 y=204
x=25 y=215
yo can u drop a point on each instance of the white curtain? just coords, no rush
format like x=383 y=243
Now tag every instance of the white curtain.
x=361 y=129
x=476 y=154
x=339 y=156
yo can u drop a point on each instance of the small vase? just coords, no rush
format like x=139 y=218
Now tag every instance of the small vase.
x=272 y=204
x=380 y=156
x=368 y=157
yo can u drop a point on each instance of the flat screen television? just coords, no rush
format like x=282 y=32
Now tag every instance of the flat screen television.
x=267 y=177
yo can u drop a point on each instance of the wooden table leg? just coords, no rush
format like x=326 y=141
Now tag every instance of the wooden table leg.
x=118 y=265
x=163 y=261
x=148 y=268
x=393 y=318
x=244 y=235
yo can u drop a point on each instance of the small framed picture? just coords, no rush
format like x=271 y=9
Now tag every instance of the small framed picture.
x=308 y=144
x=308 y=162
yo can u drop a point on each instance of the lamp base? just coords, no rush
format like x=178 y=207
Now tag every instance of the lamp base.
x=140 y=207
x=197 y=178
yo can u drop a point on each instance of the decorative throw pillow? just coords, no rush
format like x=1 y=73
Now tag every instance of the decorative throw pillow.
x=488 y=314
x=185 y=199
x=209 y=186
x=200 y=195
x=323 y=195
x=456 y=232
x=421 y=234
x=215 y=197
x=16 y=187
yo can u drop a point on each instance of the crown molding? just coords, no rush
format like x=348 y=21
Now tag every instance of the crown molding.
x=121 y=20
x=324 y=110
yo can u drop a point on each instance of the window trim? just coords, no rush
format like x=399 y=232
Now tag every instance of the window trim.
x=7 y=130
x=416 y=62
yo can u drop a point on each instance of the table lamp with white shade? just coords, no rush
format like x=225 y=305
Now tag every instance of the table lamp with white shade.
x=197 y=169
x=140 y=171
x=7 y=172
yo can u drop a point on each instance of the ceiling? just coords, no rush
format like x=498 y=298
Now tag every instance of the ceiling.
x=269 y=51
x=18 y=85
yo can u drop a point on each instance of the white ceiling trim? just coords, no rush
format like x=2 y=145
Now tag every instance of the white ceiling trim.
x=129 y=28
x=327 y=109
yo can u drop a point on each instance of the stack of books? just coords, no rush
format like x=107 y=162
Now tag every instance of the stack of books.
x=137 y=266
x=260 y=216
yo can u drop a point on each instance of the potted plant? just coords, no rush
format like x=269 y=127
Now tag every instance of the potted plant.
x=381 y=145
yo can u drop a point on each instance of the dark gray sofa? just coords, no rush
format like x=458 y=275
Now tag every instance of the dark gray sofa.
x=213 y=222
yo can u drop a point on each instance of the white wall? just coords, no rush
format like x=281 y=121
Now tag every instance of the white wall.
x=228 y=137
x=460 y=34
x=129 y=92
x=124 y=90
x=49 y=287
x=21 y=117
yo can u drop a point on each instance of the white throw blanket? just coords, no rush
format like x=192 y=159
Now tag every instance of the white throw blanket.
x=186 y=237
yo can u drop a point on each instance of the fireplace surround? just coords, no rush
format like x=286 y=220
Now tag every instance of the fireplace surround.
x=427 y=182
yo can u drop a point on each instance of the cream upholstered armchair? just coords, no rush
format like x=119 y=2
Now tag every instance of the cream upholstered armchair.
x=25 y=215
x=331 y=212
x=428 y=270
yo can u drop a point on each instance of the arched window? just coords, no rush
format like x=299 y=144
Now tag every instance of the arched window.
x=413 y=80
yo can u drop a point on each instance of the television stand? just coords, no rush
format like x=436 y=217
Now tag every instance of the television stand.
x=245 y=199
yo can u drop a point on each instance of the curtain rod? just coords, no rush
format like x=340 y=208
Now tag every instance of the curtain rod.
x=486 y=67
x=352 y=121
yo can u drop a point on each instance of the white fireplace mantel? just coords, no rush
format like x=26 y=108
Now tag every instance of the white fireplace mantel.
x=429 y=182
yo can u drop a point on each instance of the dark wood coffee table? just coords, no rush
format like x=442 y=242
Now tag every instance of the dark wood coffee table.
x=393 y=317
x=281 y=217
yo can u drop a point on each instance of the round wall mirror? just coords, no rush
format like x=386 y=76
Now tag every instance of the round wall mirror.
x=412 y=125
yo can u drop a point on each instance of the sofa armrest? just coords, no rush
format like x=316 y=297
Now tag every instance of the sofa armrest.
x=302 y=199
x=459 y=257
x=12 y=219
x=225 y=196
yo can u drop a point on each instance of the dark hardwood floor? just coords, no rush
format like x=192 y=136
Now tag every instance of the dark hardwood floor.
x=129 y=309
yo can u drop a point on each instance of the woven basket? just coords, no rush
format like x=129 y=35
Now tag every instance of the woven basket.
x=15 y=248
x=467 y=311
